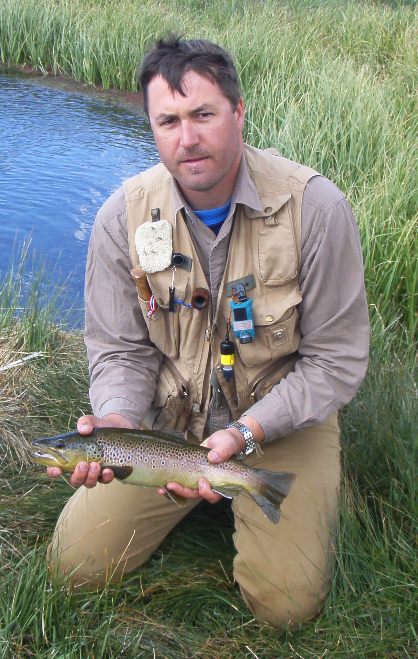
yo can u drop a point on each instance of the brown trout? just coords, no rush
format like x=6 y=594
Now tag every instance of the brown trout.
x=153 y=459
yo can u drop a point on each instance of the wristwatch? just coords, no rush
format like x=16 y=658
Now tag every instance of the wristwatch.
x=250 y=445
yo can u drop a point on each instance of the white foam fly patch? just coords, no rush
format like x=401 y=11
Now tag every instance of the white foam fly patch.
x=154 y=245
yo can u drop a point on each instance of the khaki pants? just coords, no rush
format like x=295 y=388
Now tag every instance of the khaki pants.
x=284 y=571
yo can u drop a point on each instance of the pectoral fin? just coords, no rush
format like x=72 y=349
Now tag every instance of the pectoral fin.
x=121 y=473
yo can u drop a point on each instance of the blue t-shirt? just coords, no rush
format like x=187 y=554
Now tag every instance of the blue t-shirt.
x=214 y=217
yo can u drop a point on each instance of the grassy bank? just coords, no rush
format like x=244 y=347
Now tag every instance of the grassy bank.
x=183 y=602
x=330 y=84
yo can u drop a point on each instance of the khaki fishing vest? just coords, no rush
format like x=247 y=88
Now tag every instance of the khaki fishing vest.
x=265 y=244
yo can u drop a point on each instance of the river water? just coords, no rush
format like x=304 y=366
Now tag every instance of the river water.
x=62 y=152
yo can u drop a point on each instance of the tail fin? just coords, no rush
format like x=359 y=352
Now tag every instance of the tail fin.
x=269 y=489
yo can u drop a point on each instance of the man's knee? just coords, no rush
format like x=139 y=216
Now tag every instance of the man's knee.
x=286 y=606
x=289 y=594
x=82 y=569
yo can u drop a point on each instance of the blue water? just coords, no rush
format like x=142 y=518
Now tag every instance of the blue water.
x=62 y=153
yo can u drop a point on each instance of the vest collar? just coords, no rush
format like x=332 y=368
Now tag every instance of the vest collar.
x=256 y=205
x=244 y=193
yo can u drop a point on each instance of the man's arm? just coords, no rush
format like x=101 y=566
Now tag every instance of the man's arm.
x=123 y=363
x=333 y=319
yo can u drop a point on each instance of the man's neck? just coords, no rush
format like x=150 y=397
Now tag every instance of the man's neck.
x=206 y=199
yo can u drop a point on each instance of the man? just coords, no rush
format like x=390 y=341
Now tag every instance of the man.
x=268 y=260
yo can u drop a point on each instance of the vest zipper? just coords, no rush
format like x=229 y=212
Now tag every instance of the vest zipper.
x=254 y=385
x=183 y=389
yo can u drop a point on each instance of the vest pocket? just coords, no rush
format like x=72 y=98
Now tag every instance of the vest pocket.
x=270 y=376
x=275 y=323
x=163 y=329
x=276 y=252
x=270 y=342
x=170 y=407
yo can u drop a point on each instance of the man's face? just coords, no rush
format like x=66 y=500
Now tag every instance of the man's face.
x=198 y=136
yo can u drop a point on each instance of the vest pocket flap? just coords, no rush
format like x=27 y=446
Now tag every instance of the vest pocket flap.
x=268 y=310
x=272 y=203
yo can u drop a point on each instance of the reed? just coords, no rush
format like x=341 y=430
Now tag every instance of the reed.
x=329 y=84
x=29 y=304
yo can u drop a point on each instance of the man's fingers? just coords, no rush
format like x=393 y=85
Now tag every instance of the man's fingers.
x=86 y=424
x=213 y=456
x=85 y=474
x=79 y=474
x=93 y=474
x=204 y=491
x=106 y=476
x=223 y=445
x=54 y=472
x=181 y=491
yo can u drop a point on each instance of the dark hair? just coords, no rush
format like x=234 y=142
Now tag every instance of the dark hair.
x=173 y=57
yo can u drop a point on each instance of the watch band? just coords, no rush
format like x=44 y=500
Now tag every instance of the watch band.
x=250 y=445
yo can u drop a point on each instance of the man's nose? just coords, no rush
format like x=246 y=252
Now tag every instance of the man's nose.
x=188 y=134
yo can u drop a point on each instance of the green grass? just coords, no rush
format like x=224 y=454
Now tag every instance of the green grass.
x=331 y=84
x=183 y=602
x=24 y=313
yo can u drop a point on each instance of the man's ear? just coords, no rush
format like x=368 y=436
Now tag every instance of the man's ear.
x=240 y=112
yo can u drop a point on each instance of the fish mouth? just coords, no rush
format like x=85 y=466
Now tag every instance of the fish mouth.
x=50 y=454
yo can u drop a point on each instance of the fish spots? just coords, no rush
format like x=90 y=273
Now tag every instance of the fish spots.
x=94 y=453
x=151 y=455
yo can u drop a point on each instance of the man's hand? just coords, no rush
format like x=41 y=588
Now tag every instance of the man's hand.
x=88 y=474
x=224 y=444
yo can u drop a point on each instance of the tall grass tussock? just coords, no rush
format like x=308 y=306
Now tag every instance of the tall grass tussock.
x=330 y=84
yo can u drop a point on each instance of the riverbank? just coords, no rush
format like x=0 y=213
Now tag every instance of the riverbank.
x=132 y=101
x=332 y=85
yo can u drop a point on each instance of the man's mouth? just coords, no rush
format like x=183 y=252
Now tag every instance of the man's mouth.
x=193 y=160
